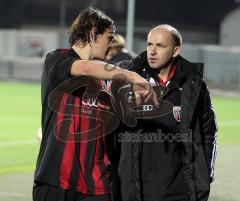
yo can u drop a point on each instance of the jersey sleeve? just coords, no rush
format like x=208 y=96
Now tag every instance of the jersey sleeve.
x=58 y=67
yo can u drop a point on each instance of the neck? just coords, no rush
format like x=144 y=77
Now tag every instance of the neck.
x=83 y=51
x=164 y=73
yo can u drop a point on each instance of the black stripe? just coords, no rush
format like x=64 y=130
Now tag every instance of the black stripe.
x=102 y=167
x=89 y=160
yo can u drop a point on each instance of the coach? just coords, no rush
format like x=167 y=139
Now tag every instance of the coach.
x=177 y=168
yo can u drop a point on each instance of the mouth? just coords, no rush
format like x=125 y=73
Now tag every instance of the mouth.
x=152 y=60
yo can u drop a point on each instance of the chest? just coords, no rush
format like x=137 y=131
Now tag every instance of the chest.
x=168 y=122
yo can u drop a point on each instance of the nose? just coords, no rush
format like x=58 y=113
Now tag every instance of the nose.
x=152 y=50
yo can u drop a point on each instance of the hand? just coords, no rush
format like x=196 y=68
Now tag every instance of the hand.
x=143 y=89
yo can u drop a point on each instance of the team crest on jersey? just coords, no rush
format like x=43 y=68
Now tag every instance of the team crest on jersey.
x=177 y=113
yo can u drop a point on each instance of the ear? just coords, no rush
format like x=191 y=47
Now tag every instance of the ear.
x=176 y=51
x=93 y=34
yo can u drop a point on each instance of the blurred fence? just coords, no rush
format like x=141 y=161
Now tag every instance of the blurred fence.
x=21 y=68
x=22 y=55
x=22 y=52
x=222 y=64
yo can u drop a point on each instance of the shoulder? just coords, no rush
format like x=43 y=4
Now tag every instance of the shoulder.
x=190 y=68
x=58 y=53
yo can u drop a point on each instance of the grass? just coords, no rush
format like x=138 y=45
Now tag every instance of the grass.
x=20 y=118
x=227 y=113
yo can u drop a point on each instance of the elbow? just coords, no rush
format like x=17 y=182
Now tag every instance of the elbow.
x=84 y=68
x=80 y=67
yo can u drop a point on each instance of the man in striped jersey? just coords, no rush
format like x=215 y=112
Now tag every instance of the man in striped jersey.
x=74 y=161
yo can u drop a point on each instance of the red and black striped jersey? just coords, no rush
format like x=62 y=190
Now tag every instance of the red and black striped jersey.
x=73 y=150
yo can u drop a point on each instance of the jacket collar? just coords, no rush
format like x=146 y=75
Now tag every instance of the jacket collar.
x=188 y=67
x=184 y=69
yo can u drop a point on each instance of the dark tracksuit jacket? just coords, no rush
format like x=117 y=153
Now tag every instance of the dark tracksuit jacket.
x=188 y=169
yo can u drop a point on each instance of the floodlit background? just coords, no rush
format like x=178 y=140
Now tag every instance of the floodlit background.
x=29 y=29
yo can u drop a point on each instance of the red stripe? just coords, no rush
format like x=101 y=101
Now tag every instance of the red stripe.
x=171 y=74
x=84 y=127
x=105 y=158
x=97 y=174
x=64 y=52
x=76 y=114
x=60 y=117
x=109 y=86
x=66 y=166
x=67 y=159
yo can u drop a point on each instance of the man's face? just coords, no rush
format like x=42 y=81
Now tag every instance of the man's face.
x=160 y=49
x=102 y=44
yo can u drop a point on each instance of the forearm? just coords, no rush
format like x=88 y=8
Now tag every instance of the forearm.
x=100 y=70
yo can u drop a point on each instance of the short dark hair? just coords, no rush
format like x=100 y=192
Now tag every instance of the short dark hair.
x=176 y=38
x=85 y=22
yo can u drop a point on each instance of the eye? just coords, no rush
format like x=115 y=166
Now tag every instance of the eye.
x=161 y=45
x=149 y=44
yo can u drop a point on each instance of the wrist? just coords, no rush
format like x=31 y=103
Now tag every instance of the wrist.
x=131 y=76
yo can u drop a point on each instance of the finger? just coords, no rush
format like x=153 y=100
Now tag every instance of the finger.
x=148 y=93
x=148 y=97
x=102 y=106
x=138 y=98
x=155 y=99
x=147 y=90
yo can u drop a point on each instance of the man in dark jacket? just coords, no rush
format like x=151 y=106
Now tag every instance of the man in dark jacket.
x=169 y=157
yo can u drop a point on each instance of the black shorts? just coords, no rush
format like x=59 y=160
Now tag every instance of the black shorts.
x=45 y=192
